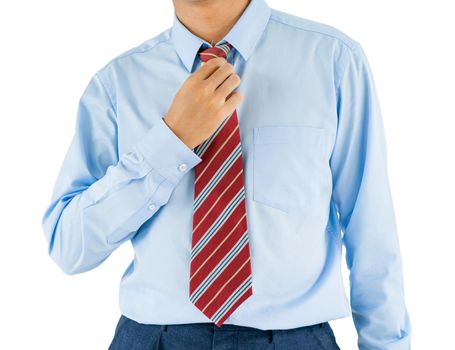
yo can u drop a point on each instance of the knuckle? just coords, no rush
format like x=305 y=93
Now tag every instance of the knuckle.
x=214 y=106
x=236 y=78
x=205 y=65
x=229 y=67
x=191 y=81
x=219 y=113
x=205 y=88
x=237 y=97
x=217 y=61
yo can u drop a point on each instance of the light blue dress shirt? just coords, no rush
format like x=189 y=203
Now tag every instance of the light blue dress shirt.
x=315 y=167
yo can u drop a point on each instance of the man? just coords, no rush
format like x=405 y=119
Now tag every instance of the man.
x=238 y=151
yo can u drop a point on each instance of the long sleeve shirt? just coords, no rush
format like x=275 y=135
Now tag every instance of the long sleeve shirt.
x=315 y=168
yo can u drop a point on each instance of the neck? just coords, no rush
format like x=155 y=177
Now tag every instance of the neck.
x=210 y=20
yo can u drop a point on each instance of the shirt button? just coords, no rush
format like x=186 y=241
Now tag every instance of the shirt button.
x=152 y=206
x=135 y=157
x=183 y=167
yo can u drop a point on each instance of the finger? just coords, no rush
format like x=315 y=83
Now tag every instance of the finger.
x=232 y=102
x=220 y=75
x=228 y=85
x=207 y=68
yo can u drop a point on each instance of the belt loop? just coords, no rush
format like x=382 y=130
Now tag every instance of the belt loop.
x=164 y=327
x=271 y=333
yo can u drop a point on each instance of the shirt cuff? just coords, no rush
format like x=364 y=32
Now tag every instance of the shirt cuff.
x=166 y=152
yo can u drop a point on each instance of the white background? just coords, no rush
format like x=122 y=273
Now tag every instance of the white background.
x=50 y=49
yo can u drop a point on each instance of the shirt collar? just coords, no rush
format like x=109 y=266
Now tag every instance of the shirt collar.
x=244 y=35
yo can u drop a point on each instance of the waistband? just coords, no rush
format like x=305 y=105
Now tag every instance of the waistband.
x=226 y=327
x=271 y=334
x=211 y=325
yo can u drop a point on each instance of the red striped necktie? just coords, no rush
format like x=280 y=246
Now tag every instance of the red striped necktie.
x=220 y=268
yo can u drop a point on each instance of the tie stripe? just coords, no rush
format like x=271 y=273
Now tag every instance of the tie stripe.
x=230 y=212
x=199 y=150
x=213 y=268
x=216 y=158
x=220 y=267
x=218 y=175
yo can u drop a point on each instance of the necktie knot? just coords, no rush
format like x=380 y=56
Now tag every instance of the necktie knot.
x=214 y=51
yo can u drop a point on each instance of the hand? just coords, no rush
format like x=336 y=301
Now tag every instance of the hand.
x=205 y=99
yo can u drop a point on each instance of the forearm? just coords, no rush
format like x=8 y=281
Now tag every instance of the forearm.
x=83 y=225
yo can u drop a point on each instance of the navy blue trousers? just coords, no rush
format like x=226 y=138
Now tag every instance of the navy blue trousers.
x=131 y=335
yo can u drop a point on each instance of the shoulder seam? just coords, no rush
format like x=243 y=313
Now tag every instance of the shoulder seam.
x=348 y=46
x=345 y=63
x=352 y=46
x=142 y=48
x=147 y=48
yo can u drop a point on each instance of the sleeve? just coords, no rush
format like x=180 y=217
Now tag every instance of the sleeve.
x=100 y=199
x=363 y=200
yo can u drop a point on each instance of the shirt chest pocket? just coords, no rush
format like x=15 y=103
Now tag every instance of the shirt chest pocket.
x=287 y=161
